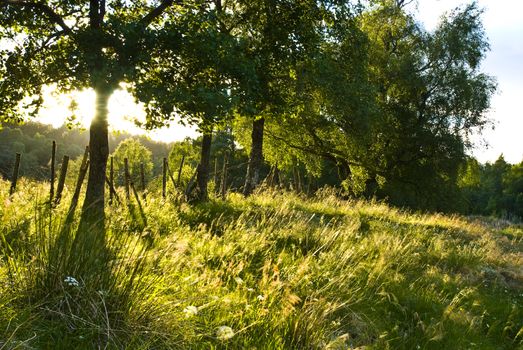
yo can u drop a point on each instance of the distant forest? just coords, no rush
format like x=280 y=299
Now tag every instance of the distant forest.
x=482 y=189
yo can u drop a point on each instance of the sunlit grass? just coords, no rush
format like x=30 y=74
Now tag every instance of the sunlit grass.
x=277 y=271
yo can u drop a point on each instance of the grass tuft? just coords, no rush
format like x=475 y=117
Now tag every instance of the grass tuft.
x=272 y=271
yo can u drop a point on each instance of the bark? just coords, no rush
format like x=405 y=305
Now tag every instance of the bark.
x=202 y=177
x=93 y=215
x=256 y=157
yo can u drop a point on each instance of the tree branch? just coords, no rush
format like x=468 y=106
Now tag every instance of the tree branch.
x=55 y=17
x=157 y=11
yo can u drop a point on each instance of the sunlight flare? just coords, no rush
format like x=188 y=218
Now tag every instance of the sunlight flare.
x=78 y=108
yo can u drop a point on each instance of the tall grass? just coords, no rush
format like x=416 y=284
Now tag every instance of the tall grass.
x=274 y=271
x=66 y=290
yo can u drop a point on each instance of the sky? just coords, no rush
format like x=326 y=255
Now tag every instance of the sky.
x=503 y=22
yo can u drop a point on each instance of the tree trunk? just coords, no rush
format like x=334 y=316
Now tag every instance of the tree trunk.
x=256 y=157
x=93 y=215
x=202 y=178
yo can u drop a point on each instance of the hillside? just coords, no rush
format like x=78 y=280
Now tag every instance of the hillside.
x=273 y=271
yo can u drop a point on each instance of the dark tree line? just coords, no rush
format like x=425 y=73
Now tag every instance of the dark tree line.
x=493 y=189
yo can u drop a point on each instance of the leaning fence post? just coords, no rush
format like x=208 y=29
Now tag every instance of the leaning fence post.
x=180 y=171
x=192 y=182
x=170 y=174
x=76 y=194
x=61 y=180
x=140 y=208
x=112 y=190
x=53 y=159
x=126 y=178
x=164 y=178
x=15 y=174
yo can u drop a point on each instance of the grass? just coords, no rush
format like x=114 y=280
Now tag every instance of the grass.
x=273 y=271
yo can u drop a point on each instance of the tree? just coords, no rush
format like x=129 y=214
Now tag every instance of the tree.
x=431 y=96
x=277 y=33
x=199 y=80
x=136 y=154
x=513 y=191
x=493 y=188
x=333 y=101
x=391 y=105
x=97 y=44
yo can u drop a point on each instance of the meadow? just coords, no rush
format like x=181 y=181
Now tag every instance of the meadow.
x=276 y=270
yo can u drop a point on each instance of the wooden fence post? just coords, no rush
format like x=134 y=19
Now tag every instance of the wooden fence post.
x=192 y=182
x=126 y=178
x=53 y=159
x=275 y=181
x=140 y=208
x=15 y=174
x=76 y=194
x=309 y=184
x=216 y=188
x=170 y=175
x=294 y=179
x=142 y=176
x=61 y=180
x=224 y=176
x=164 y=178
x=112 y=190
x=180 y=171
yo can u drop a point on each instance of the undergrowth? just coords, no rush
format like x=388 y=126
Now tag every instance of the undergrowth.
x=272 y=271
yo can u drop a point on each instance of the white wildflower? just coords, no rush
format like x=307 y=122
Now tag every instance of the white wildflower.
x=260 y=297
x=238 y=280
x=250 y=289
x=71 y=281
x=190 y=311
x=224 y=333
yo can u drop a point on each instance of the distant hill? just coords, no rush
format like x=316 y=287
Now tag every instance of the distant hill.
x=34 y=140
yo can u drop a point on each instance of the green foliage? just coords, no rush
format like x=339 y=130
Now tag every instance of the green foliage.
x=137 y=156
x=363 y=92
x=34 y=140
x=493 y=189
x=389 y=104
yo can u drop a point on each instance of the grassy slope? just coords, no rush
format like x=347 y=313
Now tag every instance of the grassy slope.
x=283 y=271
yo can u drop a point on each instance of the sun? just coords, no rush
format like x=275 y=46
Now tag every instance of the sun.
x=80 y=105
x=123 y=113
